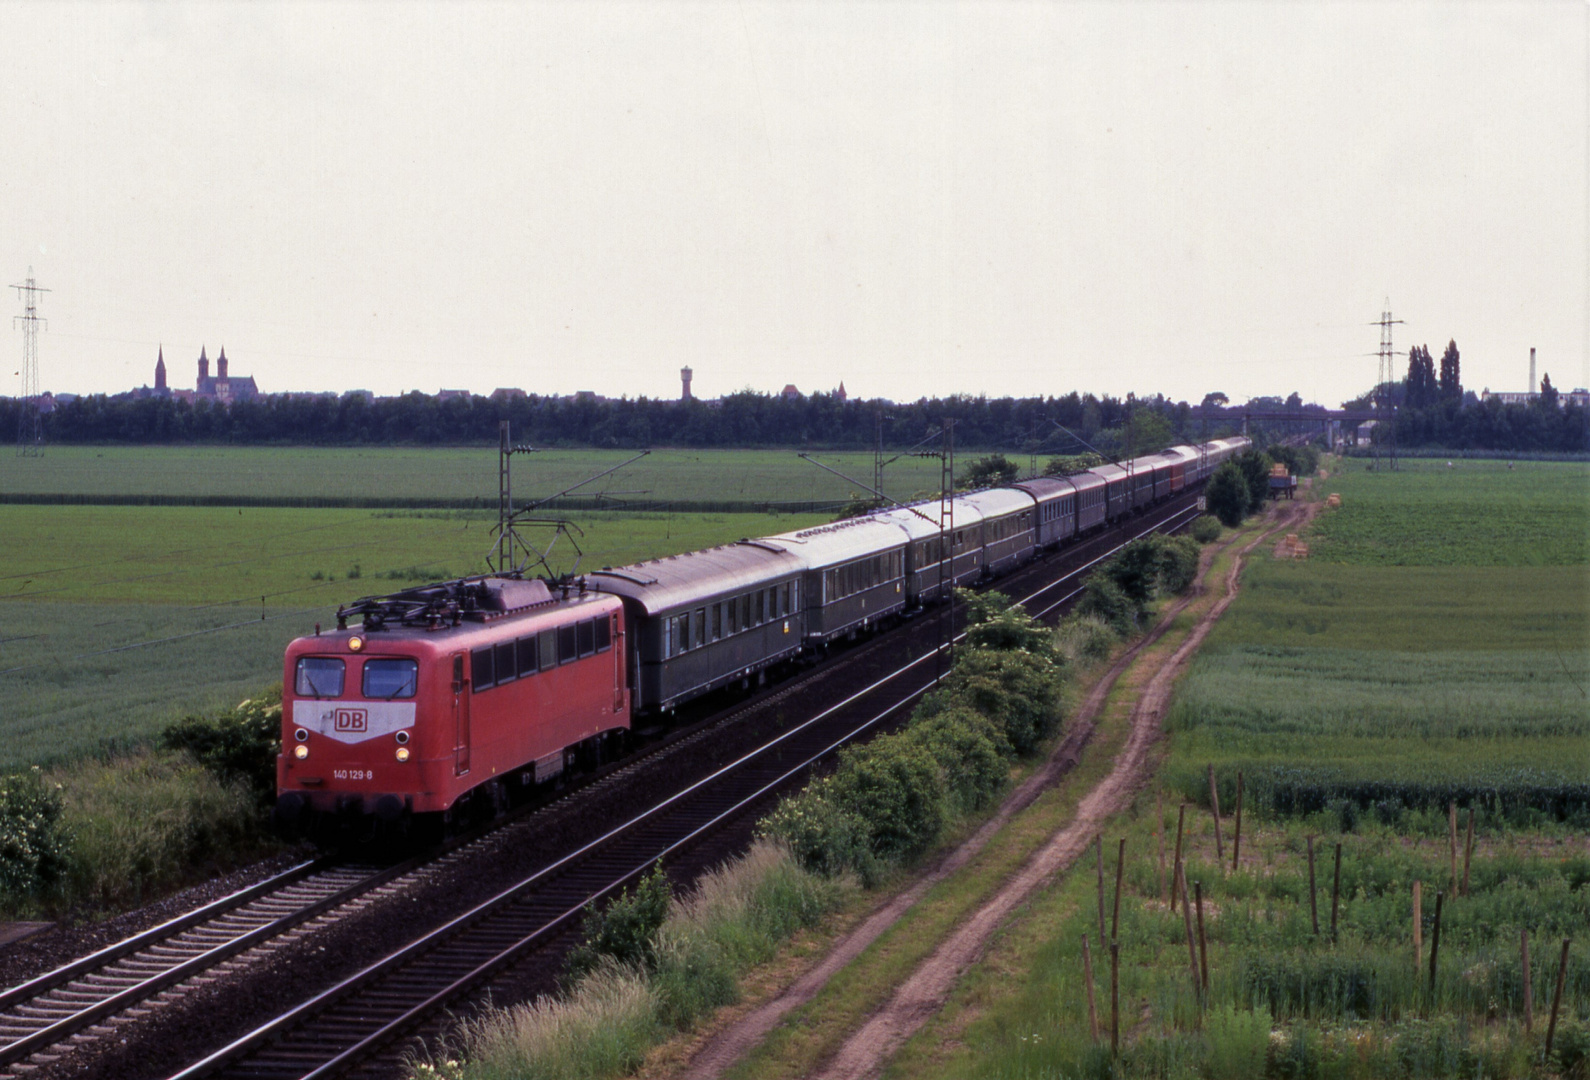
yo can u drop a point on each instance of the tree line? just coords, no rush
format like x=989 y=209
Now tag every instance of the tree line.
x=1433 y=410
x=1072 y=423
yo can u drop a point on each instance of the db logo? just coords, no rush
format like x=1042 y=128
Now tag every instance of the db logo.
x=351 y=720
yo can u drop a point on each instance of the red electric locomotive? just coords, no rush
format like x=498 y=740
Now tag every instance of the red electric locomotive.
x=445 y=693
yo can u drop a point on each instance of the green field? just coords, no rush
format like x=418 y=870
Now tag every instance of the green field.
x=1435 y=648
x=119 y=619
x=449 y=474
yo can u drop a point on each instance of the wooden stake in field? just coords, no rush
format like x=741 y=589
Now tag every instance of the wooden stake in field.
x=1313 y=896
x=1192 y=944
x=1556 y=997
x=1159 y=836
x=1115 y=997
x=1236 y=839
x=1336 y=890
x=1214 y=810
x=1529 y=989
x=1451 y=818
x=1175 y=872
x=1087 y=981
x=1115 y=916
x=1435 y=938
x=1418 y=924
x=1468 y=852
x=1099 y=847
x=1203 y=942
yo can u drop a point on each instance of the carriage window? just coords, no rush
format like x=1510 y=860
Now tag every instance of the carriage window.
x=568 y=644
x=701 y=627
x=319 y=677
x=717 y=621
x=587 y=637
x=387 y=679
x=505 y=669
x=604 y=634
x=745 y=612
x=549 y=649
x=528 y=660
x=761 y=607
x=480 y=669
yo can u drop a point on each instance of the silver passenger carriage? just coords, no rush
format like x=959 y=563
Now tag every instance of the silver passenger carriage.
x=1007 y=536
x=854 y=573
x=704 y=619
x=1055 y=513
x=927 y=557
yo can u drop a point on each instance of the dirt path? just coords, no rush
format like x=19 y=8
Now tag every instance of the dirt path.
x=925 y=990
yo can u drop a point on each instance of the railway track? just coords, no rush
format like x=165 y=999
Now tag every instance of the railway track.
x=341 y=1029
x=361 y=1018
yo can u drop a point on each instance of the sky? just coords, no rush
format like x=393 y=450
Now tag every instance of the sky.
x=909 y=198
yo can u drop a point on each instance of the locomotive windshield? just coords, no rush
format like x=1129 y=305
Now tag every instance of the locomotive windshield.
x=390 y=678
x=319 y=676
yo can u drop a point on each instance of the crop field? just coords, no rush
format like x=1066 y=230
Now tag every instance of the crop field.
x=450 y=474
x=1433 y=651
x=119 y=619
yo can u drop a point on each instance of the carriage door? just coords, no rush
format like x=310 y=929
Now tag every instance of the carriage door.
x=460 y=717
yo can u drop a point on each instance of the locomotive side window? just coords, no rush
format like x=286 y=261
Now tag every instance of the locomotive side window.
x=567 y=644
x=389 y=679
x=604 y=634
x=319 y=677
x=528 y=660
x=549 y=649
x=587 y=637
x=506 y=670
x=480 y=669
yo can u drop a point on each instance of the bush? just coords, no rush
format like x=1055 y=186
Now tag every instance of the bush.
x=824 y=837
x=898 y=791
x=624 y=932
x=992 y=623
x=970 y=751
x=1103 y=600
x=1227 y=495
x=1018 y=692
x=239 y=745
x=1205 y=529
x=1084 y=638
x=1178 y=563
x=34 y=847
x=145 y=823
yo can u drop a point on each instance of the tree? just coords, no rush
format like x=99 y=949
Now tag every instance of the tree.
x=1227 y=495
x=1215 y=398
x=992 y=471
x=1149 y=431
x=1548 y=392
x=1256 y=472
x=1420 y=387
x=1451 y=383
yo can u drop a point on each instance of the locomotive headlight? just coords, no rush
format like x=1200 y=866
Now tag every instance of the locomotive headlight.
x=300 y=751
x=402 y=753
x=355 y=643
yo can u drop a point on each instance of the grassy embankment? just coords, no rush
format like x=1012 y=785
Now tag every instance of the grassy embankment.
x=1434 y=648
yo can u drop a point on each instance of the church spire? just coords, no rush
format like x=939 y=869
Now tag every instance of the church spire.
x=160 y=369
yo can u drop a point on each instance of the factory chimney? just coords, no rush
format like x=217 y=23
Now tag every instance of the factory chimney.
x=1533 y=388
x=684 y=376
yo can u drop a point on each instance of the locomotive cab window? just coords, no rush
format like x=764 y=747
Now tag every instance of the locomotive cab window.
x=319 y=676
x=604 y=634
x=387 y=679
x=586 y=630
x=480 y=669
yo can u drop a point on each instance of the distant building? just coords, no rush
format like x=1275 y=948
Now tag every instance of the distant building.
x=789 y=393
x=685 y=375
x=449 y=395
x=223 y=387
x=507 y=393
x=840 y=394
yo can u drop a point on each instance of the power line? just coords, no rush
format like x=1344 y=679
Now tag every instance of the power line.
x=1385 y=436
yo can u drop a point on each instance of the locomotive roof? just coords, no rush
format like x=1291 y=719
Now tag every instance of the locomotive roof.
x=696 y=576
x=841 y=541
